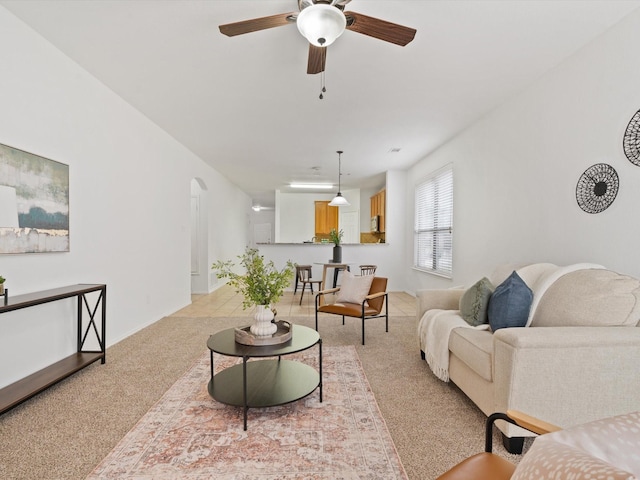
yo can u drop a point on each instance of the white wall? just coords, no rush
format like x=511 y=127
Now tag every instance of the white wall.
x=129 y=203
x=515 y=171
x=396 y=231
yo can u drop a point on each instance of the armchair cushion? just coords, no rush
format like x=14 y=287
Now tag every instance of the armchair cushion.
x=354 y=289
x=510 y=303
x=553 y=460
x=606 y=448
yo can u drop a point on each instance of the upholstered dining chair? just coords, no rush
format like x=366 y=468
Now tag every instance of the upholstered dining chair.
x=368 y=269
x=487 y=465
x=304 y=278
x=359 y=296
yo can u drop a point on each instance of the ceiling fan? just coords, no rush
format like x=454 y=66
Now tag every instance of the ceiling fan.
x=321 y=22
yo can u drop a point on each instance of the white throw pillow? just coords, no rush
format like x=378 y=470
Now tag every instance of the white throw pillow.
x=354 y=288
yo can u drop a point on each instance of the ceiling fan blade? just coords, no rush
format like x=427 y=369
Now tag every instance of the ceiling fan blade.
x=380 y=29
x=256 y=24
x=341 y=4
x=317 y=59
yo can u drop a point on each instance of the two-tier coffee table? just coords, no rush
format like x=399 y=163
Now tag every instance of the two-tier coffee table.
x=267 y=382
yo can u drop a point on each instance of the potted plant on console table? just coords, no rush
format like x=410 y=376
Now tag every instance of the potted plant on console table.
x=2 y=280
x=262 y=285
x=335 y=236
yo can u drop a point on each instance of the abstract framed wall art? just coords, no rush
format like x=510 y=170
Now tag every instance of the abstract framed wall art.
x=34 y=203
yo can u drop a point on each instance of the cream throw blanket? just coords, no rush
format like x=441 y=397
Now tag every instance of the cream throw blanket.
x=434 y=331
x=436 y=325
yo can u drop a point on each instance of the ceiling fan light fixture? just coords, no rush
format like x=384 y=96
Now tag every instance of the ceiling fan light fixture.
x=321 y=24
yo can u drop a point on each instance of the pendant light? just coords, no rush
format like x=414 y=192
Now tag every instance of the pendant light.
x=339 y=200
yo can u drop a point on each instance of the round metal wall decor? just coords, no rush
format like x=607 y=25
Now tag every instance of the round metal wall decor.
x=631 y=140
x=597 y=188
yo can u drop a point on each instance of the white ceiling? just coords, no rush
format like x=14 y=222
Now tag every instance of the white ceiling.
x=246 y=105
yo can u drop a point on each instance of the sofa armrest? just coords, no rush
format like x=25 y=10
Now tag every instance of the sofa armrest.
x=444 y=299
x=567 y=375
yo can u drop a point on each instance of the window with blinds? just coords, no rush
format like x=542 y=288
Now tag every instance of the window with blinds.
x=433 y=229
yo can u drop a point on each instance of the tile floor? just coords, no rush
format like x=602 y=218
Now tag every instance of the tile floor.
x=225 y=302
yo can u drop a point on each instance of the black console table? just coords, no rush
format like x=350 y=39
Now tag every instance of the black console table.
x=23 y=389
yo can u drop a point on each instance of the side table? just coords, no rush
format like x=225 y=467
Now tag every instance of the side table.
x=267 y=382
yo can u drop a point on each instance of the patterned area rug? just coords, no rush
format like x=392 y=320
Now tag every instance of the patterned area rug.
x=189 y=435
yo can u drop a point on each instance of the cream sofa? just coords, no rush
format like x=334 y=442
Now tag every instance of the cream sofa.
x=578 y=359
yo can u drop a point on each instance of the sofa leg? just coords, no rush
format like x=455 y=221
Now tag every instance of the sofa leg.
x=422 y=355
x=512 y=444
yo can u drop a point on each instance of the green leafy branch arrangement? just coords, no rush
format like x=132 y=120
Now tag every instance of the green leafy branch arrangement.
x=262 y=284
x=335 y=236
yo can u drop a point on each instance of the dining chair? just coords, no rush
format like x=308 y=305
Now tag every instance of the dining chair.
x=304 y=278
x=298 y=268
x=368 y=269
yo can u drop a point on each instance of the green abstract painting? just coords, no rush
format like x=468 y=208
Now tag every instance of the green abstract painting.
x=34 y=203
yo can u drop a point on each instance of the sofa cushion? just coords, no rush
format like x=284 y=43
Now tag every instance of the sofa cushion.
x=510 y=303
x=591 y=297
x=475 y=349
x=475 y=301
x=533 y=274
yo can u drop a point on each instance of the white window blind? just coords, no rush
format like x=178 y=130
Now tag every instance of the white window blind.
x=433 y=229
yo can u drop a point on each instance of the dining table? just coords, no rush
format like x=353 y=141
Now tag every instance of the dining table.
x=337 y=267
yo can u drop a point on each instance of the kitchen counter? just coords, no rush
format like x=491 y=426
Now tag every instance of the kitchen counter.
x=329 y=244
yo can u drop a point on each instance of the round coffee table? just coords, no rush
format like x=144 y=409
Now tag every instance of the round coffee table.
x=268 y=382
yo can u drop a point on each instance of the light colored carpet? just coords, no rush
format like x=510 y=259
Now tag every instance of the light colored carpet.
x=188 y=435
x=64 y=432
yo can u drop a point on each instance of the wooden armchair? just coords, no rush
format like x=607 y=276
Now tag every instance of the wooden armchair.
x=370 y=307
x=487 y=465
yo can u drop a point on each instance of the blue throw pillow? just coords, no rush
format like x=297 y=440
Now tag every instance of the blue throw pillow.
x=510 y=303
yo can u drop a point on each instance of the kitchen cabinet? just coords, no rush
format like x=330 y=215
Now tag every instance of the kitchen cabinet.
x=378 y=207
x=326 y=217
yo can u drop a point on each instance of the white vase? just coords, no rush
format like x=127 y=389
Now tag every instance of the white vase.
x=263 y=326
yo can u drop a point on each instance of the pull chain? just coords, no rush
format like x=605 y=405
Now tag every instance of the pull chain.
x=322 y=87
